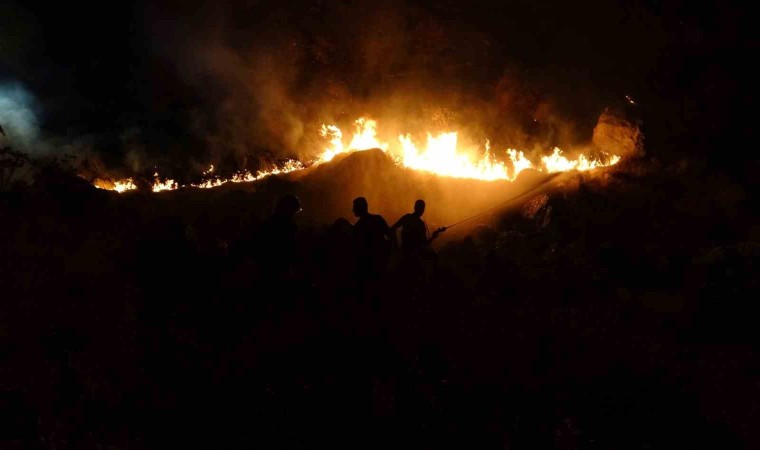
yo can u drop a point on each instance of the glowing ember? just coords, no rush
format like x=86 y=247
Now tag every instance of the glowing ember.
x=441 y=155
x=207 y=184
x=242 y=177
x=169 y=185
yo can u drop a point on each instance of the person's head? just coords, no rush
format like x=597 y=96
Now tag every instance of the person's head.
x=360 y=207
x=288 y=206
x=419 y=207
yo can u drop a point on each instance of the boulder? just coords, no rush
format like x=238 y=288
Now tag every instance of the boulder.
x=619 y=132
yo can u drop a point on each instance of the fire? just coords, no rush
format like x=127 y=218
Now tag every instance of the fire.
x=119 y=186
x=519 y=162
x=246 y=176
x=558 y=163
x=441 y=155
x=365 y=138
x=126 y=185
x=336 y=142
x=168 y=185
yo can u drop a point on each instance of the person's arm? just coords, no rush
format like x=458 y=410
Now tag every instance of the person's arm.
x=398 y=224
x=392 y=230
x=386 y=229
x=436 y=233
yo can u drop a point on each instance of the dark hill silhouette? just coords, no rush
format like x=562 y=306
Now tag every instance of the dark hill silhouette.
x=601 y=309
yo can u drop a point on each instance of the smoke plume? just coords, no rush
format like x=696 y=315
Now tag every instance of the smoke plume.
x=266 y=79
x=19 y=118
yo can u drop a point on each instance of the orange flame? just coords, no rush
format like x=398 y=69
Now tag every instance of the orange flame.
x=119 y=186
x=365 y=138
x=441 y=156
x=558 y=163
x=168 y=185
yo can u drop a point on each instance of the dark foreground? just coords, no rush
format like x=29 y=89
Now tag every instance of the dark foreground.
x=622 y=317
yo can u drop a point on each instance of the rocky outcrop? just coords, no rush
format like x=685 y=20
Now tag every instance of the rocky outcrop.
x=619 y=132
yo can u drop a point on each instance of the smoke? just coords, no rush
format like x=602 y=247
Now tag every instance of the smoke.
x=268 y=78
x=19 y=118
x=241 y=86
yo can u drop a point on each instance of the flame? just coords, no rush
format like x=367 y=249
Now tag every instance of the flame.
x=336 y=142
x=441 y=156
x=246 y=176
x=119 y=186
x=558 y=163
x=168 y=185
x=126 y=185
x=365 y=138
x=519 y=162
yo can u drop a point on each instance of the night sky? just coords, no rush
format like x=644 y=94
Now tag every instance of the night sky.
x=179 y=80
x=611 y=309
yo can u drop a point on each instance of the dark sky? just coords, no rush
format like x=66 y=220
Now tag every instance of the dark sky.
x=105 y=69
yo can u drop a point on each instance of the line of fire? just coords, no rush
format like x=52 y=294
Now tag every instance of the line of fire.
x=377 y=224
x=440 y=156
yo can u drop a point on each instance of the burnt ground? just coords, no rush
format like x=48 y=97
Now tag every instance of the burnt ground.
x=608 y=311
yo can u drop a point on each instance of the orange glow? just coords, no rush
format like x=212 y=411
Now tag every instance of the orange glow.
x=365 y=138
x=558 y=163
x=441 y=155
x=119 y=186
x=168 y=185
x=243 y=177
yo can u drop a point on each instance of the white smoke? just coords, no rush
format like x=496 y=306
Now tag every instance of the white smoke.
x=18 y=118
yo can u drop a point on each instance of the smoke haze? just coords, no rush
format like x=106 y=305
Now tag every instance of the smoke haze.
x=176 y=86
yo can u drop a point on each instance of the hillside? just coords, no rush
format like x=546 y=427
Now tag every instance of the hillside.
x=562 y=318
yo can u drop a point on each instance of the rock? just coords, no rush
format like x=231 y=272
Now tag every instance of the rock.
x=618 y=132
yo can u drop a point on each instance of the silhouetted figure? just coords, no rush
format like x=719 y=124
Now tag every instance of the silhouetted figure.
x=372 y=240
x=276 y=239
x=415 y=241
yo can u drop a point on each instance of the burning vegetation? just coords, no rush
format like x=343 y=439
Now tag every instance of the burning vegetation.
x=441 y=156
x=576 y=290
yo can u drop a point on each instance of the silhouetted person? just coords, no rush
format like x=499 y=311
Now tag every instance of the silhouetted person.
x=276 y=240
x=415 y=240
x=372 y=240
